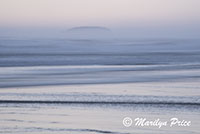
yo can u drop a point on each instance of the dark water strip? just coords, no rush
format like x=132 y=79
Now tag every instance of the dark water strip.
x=39 y=129
x=100 y=102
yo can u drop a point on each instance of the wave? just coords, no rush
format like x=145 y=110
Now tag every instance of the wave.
x=41 y=129
x=74 y=130
x=100 y=102
x=95 y=74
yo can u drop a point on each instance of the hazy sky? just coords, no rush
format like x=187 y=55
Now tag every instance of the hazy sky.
x=110 y=13
x=97 y=12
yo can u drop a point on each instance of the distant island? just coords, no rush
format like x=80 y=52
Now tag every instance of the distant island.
x=89 y=32
x=89 y=28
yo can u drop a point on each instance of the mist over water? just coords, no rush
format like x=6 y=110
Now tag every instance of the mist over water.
x=116 y=32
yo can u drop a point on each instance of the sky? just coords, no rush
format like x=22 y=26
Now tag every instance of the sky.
x=139 y=15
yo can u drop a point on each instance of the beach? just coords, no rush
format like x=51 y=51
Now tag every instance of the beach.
x=78 y=115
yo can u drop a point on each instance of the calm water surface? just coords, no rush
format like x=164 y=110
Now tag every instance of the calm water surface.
x=89 y=86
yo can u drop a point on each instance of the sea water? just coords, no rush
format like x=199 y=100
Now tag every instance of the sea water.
x=90 y=86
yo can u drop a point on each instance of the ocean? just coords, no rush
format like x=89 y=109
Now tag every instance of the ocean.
x=86 y=86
